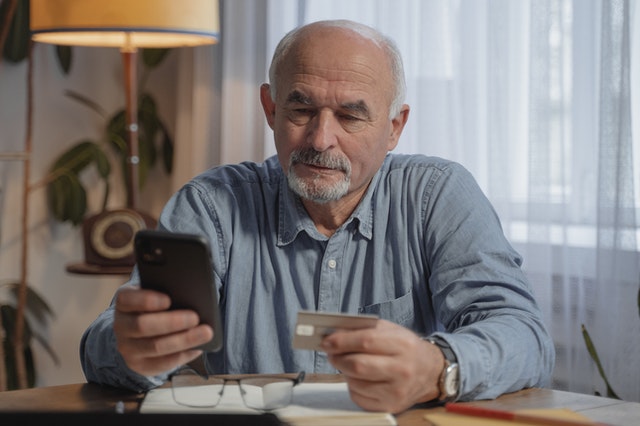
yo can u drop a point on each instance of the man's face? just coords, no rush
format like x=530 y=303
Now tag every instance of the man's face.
x=331 y=115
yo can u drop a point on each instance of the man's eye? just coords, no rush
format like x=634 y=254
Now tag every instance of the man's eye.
x=300 y=115
x=352 y=123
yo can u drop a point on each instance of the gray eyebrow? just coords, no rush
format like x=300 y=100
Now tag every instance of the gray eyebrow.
x=299 y=98
x=359 y=107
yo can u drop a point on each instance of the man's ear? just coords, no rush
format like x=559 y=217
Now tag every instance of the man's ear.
x=268 y=104
x=397 y=125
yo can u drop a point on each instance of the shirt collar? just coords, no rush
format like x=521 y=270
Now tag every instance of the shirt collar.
x=293 y=218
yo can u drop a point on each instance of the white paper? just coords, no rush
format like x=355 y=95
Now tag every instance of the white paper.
x=309 y=400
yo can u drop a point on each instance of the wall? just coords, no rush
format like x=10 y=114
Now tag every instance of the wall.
x=58 y=123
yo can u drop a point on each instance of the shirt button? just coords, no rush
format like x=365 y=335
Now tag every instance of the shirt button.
x=332 y=264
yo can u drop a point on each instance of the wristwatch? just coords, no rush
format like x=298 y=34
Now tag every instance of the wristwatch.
x=449 y=382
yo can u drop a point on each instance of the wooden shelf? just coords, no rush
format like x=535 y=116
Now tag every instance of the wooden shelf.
x=90 y=269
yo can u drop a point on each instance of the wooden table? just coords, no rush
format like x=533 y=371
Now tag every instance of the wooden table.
x=88 y=397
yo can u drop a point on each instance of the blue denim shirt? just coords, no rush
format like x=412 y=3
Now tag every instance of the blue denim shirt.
x=424 y=249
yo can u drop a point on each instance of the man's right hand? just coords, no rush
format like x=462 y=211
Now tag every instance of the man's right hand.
x=152 y=339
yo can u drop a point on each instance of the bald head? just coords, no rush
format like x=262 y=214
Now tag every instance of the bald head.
x=359 y=36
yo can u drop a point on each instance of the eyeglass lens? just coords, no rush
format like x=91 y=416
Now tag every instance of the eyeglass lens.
x=266 y=394
x=193 y=390
x=260 y=393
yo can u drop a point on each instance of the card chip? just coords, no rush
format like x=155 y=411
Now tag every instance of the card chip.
x=304 y=330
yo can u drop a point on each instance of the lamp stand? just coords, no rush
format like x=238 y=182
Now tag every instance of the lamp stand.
x=130 y=66
x=108 y=236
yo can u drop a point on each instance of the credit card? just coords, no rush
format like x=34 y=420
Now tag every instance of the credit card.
x=312 y=326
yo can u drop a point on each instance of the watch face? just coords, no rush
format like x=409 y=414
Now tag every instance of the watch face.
x=451 y=380
x=112 y=234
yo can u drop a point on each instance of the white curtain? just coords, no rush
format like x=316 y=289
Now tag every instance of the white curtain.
x=538 y=99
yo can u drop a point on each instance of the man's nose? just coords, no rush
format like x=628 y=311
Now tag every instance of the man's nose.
x=323 y=131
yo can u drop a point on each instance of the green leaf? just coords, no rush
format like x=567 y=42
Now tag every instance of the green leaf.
x=67 y=198
x=65 y=56
x=167 y=151
x=77 y=204
x=9 y=324
x=150 y=130
x=153 y=57
x=43 y=342
x=102 y=163
x=105 y=198
x=116 y=132
x=16 y=47
x=86 y=102
x=8 y=313
x=30 y=366
x=150 y=126
x=76 y=158
x=147 y=104
x=66 y=195
x=36 y=306
x=594 y=355
x=147 y=155
x=55 y=198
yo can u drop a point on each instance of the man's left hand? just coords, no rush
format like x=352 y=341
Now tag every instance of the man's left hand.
x=387 y=368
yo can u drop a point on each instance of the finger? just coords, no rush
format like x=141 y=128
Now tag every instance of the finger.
x=167 y=344
x=164 y=352
x=138 y=300
x=393 y=382
x=416 y=356
x=364 y=366
x=385 y=339
x=153 y=324
x=350 y=341
x=157 y=365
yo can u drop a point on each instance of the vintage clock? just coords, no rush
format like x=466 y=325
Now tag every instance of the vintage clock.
x=108 y=241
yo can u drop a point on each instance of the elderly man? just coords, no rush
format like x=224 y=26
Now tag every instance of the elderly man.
x=336 y=223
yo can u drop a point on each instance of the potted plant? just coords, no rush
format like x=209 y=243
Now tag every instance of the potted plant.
x=66 y=193
x=22 y=310
x=23 y=305
x=38 y=313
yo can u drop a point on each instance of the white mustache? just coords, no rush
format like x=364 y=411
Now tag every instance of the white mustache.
x=315 y=158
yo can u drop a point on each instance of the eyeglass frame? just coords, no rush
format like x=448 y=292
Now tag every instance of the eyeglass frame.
x=205 y=376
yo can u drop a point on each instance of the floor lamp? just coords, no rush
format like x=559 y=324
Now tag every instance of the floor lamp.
x=127 y=25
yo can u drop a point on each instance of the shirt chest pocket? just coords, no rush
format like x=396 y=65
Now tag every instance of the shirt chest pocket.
x=400 y=310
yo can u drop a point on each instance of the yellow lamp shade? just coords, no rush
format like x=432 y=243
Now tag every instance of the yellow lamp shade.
x=125 y=23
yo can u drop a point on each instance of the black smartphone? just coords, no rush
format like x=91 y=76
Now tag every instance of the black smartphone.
x=180 y=265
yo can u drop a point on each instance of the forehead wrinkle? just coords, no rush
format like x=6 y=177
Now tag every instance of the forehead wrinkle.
x=360 y=73
x=326 y=79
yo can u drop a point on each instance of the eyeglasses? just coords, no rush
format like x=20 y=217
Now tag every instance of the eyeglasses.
x=264 y=393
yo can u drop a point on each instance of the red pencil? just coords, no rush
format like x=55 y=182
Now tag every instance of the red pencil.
x=476 y=411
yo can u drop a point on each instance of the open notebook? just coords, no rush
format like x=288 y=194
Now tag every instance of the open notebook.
x=313 y=404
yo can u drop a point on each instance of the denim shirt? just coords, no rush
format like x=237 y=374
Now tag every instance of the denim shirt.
x=424 y=249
